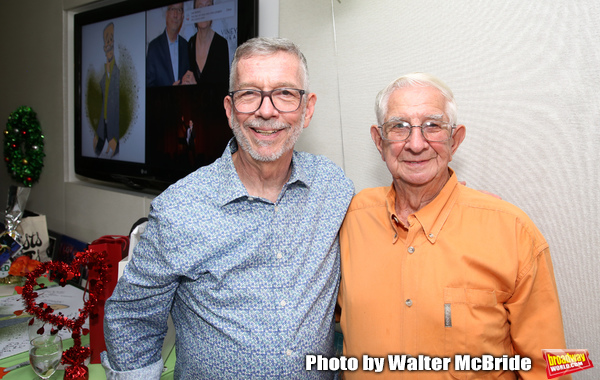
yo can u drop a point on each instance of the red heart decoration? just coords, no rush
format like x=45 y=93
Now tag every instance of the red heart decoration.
x=62 y=272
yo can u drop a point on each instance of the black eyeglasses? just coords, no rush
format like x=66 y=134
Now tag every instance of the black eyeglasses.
x=398 y=130
x=283 y=99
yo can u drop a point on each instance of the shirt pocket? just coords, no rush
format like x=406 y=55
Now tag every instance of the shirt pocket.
x=474 y=324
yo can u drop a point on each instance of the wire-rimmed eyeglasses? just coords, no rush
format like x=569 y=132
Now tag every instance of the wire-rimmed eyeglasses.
x=283 y=99
x=399 y=130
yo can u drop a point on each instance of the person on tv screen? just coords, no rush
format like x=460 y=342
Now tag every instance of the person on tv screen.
x=208 y=52
x=108 y=127
x=433 y=268
x=243 y=253
x=167 y=60
x=190 y=139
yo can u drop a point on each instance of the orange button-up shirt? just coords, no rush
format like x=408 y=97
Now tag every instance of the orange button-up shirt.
x=470 y=274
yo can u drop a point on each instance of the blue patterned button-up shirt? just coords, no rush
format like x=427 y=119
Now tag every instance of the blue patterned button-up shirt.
x=251 y=284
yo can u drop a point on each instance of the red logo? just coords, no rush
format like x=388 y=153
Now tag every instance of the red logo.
x=564 y=362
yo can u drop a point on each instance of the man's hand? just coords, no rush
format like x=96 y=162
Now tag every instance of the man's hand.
x=188 y=78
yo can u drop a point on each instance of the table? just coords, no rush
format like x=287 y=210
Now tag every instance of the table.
x=96 y=371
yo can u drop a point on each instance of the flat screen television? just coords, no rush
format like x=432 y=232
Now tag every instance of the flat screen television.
x=149 y=111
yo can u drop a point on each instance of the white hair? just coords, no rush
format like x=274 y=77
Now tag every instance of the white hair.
x=414 y=80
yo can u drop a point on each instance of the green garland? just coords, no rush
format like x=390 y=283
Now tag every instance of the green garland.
x=24 y=146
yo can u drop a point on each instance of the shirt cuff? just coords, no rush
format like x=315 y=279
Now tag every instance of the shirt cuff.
x=152 y=371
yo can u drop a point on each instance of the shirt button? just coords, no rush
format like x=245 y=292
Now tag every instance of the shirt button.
x=276 y=208
x=282 y=303
x=408 y=302
x=288 y=352
x=279 y=255
x=250 y=198
x=411 y=249
x=431 y=235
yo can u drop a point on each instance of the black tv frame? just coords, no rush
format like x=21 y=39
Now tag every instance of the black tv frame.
x=149 y=176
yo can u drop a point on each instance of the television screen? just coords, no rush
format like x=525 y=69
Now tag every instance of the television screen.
x=150 y=79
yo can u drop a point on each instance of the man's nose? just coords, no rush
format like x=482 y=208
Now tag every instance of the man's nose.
x=416 y=141
x=267 y=110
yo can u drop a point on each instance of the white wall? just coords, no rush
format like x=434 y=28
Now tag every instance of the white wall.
x=526 y=76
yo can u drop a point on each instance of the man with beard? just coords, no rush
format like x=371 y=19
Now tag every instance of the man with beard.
x=243 y=252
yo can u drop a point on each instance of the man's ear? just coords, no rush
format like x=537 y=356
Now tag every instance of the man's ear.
x=311 y=100
x=459 y=135
x=228 y=108
x=377 y=139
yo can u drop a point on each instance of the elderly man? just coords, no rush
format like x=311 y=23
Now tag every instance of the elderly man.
x=433 y=268
x=167 y=60
x=244 y=252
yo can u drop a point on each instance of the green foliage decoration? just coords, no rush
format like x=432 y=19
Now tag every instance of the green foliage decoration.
x=24 y=146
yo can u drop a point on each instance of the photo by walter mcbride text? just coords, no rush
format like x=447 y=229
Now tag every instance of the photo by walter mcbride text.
x=419 y=363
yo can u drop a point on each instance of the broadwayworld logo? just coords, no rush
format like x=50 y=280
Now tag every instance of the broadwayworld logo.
x=564 y=362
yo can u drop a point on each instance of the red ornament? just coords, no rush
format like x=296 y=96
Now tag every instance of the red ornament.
x=62 y=272
x=77 y=372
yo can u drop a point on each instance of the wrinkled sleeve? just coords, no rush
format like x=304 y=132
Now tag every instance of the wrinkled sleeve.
x=153 y=371
x=136 y=314
x=534 y=313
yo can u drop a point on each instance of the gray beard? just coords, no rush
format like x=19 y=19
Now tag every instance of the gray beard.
x=244 y=142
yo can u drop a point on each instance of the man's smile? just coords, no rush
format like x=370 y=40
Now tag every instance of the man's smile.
x=266 y=132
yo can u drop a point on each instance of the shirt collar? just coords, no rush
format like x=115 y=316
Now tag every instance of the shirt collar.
x=171 y=43
x=111 y=64
x=390 y=202
x=234 y=189
x=433 y=216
